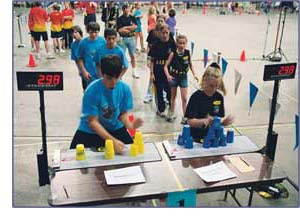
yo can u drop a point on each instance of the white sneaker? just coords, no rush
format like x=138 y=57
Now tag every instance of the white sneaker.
x=183 y=121
x=135 y=74
x=147 y=99
x=171 y=116
x=38 y=56
x=61 y=51
x=50 y=56
x=161 y=114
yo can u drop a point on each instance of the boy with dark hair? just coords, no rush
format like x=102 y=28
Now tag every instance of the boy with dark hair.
x=105 y=107
x=111 y=48
x=77 y=35
x=88 y=48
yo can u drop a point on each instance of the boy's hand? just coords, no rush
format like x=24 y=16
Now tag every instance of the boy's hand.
x=118 y=146
x=86 y=75
x=137 y=123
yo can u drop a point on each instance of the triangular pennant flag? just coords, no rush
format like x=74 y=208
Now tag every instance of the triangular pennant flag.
x=237 y=80
x=224 y=66
x=277 y=106
x=253 y=93
x=297 y=132
x=205 y=57
x=192 y=47
x=215 y=57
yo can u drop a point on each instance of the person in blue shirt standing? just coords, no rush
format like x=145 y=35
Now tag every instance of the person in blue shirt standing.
x=87 y=52
x=111 y=48
x=105 y=107
x=77 y=35
x=138 y=31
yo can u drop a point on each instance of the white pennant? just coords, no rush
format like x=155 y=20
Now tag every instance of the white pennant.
x=237 y=80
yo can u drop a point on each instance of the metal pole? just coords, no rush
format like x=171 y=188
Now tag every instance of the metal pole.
x=272 y=136
x=42 y=155
x=20 y=34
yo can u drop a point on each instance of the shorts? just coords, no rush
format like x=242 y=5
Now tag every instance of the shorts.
x=31 y=33
x=94 y=141
x=55 y=34
x=138 y=29
x=89 y=18
x=128 y=42
x=37 y=36
x=181 y=82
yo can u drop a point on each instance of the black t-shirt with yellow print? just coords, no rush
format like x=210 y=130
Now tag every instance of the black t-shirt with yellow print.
x=199 y=106
x=179 y=65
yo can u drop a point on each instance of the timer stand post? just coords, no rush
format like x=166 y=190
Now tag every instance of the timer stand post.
x=42 y=156
x=272 y=136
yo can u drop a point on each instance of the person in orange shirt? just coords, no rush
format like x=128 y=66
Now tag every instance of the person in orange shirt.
x=89 y=12
x=56 y=27
x=37 y=20
x=67 y=18
x=151 y=19
x=30 y=27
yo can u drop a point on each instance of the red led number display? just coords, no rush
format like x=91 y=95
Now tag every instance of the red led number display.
x=48 y=79
x=286 y=70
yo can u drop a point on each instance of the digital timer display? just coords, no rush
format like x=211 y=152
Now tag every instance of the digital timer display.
x=280 y=71
x=31 y=81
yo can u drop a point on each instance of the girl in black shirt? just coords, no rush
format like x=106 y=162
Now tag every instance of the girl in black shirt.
x=176 y=69
x=206 y=103
x=159 y=54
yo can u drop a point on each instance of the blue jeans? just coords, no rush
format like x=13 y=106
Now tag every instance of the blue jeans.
x=128 y=42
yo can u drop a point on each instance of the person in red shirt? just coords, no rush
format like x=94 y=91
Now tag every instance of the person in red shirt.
x=37 y=20
x=30 y=27
x=67 y=19
x=56 y=27
x=89 y=12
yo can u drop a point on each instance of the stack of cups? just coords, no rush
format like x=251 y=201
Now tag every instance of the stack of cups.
x=109 y=150
x=134 y=150
x=138 y=140
x=80 y=153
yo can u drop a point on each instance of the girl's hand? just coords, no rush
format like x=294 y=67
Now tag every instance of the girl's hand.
x=228 y=120
x=196 y=78
x=169 y=78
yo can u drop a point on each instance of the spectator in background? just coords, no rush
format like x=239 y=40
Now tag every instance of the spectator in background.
x=171 y=21
x=89 y=12
x=67 y=20
x=139 y=32
x=110 y=15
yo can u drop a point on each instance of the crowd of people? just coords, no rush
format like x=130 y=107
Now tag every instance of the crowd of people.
x=101 y=62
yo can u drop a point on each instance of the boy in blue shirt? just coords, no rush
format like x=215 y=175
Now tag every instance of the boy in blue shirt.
x=87 y=52
x=111 y=48
x=77 y=35
x=105 y=107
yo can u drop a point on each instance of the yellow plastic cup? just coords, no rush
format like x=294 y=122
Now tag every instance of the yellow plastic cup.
x=134 y=150
x=138 y=140
x=109 y=152
x=80 y=153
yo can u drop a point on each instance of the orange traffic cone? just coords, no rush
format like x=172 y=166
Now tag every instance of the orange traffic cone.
x=243 y=56
x=130 y=130
x=31 y=62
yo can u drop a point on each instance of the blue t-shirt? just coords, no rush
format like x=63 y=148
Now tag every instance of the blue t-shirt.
x=87 y=52
x=106 y=104
x=75 y=50
x=117 y=50
x=137 y=15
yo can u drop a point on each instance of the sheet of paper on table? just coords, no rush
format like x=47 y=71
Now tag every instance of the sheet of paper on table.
x=241 y=164
x=215 y=172
x=124 y=176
